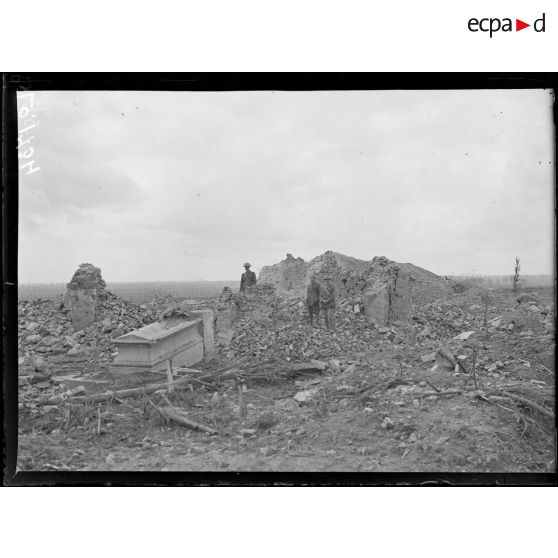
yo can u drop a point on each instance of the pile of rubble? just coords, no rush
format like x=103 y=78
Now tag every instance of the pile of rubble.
x=288 y=336
x=291 y=276
x=50 y=332
x=394 y=380
x=87 y=276
x=46 y=328
x=386 y=289
x=430 y=324
x=261 y=325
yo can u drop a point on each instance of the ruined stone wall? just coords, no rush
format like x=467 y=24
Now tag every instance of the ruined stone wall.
x=345 y=272
x=389 y=296
x=83 y=294
x=401 y=291
x=225 y=315
x=376 y=304
x=386 y=289
x=257 y=303
x=292 y=275
x=288 y=276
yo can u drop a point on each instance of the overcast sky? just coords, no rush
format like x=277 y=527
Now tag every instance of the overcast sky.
x=186 y=186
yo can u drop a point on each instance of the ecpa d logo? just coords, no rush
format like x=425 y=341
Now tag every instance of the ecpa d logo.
x=492 y=25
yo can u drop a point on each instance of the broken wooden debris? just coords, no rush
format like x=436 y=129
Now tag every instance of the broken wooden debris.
x=445 y=358
x=119 y=394
x=169 y=414
x=433 y=386
x=473 y=373
x=311 y=368
x=529 y=403
x=313 y=365
x=139 y=391
x=445 y=392
x=207 y=380
x=507 y=396
x=182 y=370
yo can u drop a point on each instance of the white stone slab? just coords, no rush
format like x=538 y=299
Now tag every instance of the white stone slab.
x=149 y=348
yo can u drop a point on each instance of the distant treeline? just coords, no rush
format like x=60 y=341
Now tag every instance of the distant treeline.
x=136 y=292
x=506 y=281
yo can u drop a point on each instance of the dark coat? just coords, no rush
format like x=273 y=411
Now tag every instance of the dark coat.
x=247 y=280
x=328 y=296
x=313 y=294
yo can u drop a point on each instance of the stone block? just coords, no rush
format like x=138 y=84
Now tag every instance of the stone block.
x=149 y=348
x=376 y=305
x=208 y=334
x=83 y=307
x=83 y=293
x=225 y=324
x=401 y=291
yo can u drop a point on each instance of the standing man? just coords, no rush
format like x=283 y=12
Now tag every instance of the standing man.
x=248 y=278
x=313 y=300
x=328 y=301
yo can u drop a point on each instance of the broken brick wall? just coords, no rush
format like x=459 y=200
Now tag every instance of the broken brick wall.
x=345 y=273
x=288 y=276
x=83 y=294
x=389 y=298
x=256 y=303
x=386 y=289
x=292 y=275
x=225 y=316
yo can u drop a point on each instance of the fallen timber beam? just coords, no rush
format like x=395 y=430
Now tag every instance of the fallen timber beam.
x=169 y=414
x=529 y=403
x=142 y=390
x=440 y=392
x=507 y=396
x=116 y=394
x=151 y=388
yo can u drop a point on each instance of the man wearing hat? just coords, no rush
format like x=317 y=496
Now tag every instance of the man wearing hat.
x=248 y=278
x=328 y=301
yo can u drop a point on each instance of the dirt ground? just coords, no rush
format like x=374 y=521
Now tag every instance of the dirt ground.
x=341 y=427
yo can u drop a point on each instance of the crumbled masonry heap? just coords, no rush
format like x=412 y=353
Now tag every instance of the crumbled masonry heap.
x=252 y=306
x=289 y=276
x=87 y=276
x=83 y=292
x=387 y=289
x=263 y=327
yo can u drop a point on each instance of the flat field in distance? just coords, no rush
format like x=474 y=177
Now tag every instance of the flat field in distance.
x=136 y=292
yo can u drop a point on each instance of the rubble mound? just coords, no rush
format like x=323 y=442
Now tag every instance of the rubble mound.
x=87 y=276
x=387 y=289
x=47 y=337
x=251 y=308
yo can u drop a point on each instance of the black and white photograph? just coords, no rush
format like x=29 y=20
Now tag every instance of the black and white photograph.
x=280 y=280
